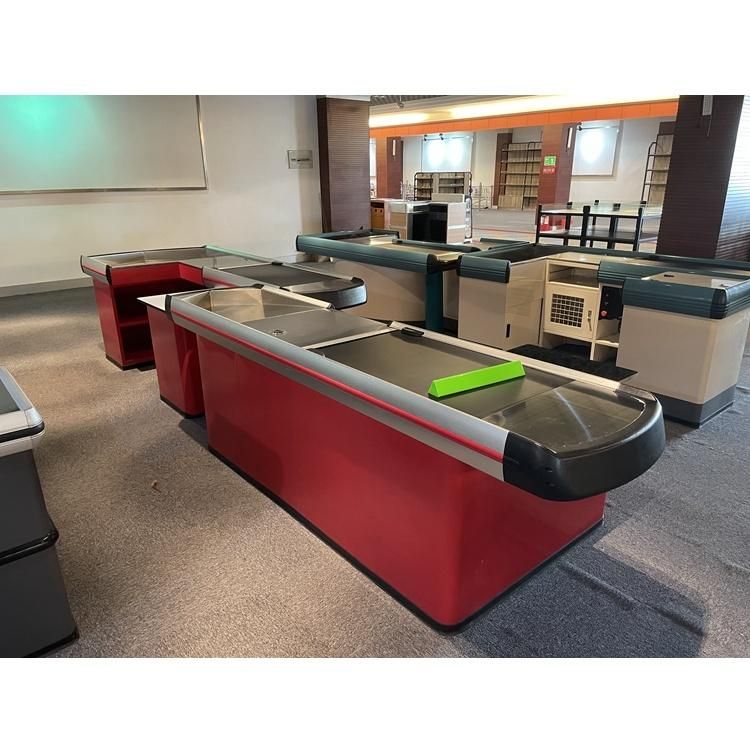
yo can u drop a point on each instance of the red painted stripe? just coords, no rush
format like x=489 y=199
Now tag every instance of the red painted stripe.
x=481 y=449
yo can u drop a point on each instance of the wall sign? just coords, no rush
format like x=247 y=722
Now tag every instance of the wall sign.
x=300 y=159
x=550 y=160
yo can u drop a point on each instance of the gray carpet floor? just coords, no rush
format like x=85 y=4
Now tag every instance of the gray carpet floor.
x=167 y=552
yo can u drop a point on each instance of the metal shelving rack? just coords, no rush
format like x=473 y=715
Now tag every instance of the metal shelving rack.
x=612 y=213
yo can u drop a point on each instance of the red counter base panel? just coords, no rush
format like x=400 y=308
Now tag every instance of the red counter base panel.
x=177 y=367
x=123 y=319
x=444 y=536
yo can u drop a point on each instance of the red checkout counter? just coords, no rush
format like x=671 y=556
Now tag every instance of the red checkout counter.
x=130 y=288
x=446 y=503
x=122 y=278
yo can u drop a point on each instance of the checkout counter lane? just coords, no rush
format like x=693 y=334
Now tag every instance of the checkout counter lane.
x=680 y=324
x=121 y=279
x=448 y=502
x=407 y=280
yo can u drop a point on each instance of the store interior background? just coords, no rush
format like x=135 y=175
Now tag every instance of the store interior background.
x=477 y=152
x=254 y=195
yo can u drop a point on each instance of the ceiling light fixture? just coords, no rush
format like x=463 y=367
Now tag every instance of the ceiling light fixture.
x=515 y=105
x=398 y=118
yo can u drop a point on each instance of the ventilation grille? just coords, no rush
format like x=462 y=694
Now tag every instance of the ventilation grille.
x=567 y=310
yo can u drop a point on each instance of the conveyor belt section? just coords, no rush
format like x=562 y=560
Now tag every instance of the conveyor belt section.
x=684 y=298
x=460 y=248
x=411 y=256
x=549 y=433
x=615 y=271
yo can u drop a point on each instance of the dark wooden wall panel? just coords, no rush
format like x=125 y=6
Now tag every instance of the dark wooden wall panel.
x=666 y=127
x=554 y=188
x=698 y=185
x=344 y=150
x=389 y=156
x=734 y=236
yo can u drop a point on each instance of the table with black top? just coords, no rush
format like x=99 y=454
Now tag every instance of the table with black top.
x=600 y=222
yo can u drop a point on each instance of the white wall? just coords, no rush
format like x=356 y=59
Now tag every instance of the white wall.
x=527 y=133
x=485 y=152
x=253 y=202
x=483 y=162
x=412 y=157
x=626 y=182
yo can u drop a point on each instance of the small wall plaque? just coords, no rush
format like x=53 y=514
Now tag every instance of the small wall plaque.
x=300 y=159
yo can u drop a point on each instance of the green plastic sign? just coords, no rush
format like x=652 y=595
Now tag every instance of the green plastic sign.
x=472 y=380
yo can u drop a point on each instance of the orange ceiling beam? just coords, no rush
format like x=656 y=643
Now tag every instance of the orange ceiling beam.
x=663 y=108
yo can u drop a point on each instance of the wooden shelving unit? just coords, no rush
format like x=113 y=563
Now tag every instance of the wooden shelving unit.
x=657 y=170
x=423 y=183
x=520 y=164
x=426 y=184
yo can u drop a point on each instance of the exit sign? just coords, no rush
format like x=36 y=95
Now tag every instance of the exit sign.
x=550 y=160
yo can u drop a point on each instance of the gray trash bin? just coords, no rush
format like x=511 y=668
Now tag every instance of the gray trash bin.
x=35 y=616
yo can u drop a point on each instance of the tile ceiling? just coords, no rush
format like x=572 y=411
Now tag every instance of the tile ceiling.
x=394 y=99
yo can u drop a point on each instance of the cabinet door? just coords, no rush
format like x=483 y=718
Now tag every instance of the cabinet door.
x=570 y=310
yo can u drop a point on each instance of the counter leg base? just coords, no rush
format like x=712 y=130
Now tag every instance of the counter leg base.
x=695 y=414
x=112 y=361
x=129 y=366
x=179 y=410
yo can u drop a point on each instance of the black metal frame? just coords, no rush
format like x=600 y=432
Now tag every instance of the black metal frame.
x=588 y=233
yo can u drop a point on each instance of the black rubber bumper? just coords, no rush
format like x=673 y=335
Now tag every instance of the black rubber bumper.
x=576 y=475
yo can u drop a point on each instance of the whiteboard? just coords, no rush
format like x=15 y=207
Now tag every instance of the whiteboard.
x=100 y=143
x=594 y=152
x=452 y=153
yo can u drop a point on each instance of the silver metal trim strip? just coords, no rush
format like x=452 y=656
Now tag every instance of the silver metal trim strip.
x=302 y=266
x=158 y=302
x=348 y=338
x=26 y=417
x=214 y=275
x=188 y=294
x=23 y=444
